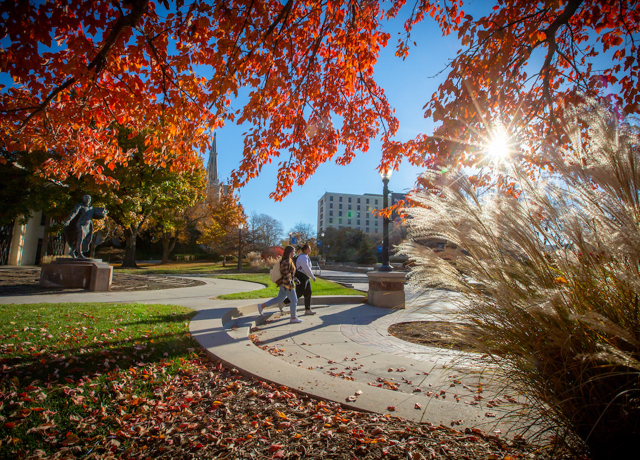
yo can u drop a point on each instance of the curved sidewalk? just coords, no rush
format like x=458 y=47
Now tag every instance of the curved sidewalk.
x=345 y=354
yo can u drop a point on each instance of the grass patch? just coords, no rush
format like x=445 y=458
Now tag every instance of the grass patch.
x=180 y=268
x=320 y=287
x=72 y=371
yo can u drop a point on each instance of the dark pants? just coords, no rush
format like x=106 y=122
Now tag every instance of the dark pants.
x=303 y=289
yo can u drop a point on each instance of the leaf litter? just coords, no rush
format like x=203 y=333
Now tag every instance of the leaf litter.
x=144 y=399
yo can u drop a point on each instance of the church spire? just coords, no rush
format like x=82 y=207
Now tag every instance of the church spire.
x=212 y=167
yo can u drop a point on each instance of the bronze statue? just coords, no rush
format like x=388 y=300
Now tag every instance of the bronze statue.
x=78 y=228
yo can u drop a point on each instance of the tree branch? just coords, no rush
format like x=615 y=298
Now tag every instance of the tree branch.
x=138 y=8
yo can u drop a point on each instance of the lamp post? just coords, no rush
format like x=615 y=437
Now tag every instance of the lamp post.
x=324 y=245
x=385 y=267
x=240 y=227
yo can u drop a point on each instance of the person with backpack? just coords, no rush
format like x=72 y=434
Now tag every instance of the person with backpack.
x=287 y=285
x=304 y=276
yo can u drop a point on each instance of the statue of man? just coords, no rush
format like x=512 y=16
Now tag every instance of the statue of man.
x=78 y=227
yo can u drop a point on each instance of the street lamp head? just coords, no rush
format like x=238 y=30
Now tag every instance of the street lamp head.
x=241 y=226
x=386 y=174
x=322 y=234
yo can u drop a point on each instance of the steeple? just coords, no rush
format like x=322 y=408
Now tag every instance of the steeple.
x=212 y=167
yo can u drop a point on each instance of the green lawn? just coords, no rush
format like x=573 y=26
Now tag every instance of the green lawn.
x=181 y=268
x=320 y=287
x=72 y=373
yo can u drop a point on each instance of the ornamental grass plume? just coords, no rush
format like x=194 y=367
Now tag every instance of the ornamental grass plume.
x=551 y=279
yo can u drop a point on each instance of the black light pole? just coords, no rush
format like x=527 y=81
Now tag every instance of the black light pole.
x=385 y=267
x=240 y=227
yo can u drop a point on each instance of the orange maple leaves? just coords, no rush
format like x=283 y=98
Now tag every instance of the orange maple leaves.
x=83 y=67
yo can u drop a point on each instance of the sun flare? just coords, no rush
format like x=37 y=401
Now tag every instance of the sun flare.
x=498 y=145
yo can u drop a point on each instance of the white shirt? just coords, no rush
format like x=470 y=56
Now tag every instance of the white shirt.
x=303 y=263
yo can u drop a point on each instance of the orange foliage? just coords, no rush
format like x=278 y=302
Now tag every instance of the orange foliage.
x=81 y=66
x=522 y=64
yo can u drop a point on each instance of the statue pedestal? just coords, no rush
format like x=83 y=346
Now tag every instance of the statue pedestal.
x=386 y=289
x=90 y=274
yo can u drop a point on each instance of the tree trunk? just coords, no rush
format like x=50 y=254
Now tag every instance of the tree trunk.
x=130 y=235
x=168 y=243
x=224 y=261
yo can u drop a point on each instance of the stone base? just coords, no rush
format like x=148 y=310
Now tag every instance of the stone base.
x=386 y=289
x=91 y=274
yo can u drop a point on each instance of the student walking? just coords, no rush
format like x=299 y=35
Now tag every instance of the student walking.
x=286 y=284
x=305 y=275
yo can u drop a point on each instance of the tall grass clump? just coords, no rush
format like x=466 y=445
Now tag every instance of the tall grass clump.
x=551 y=278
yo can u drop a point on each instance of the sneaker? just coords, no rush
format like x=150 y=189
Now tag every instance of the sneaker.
x=281 y=309
x=295 y=320
x=309 y=312
x=260 y=309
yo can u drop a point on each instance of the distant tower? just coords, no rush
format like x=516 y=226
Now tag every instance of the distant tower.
x=213 y=183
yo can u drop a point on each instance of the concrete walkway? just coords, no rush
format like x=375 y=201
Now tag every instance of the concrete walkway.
x=344 y=353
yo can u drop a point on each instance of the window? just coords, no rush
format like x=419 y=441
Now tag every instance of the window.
x=358 y=200
x=349 y=221
x=358 y=207
x=340 y=205
x=331 y=198
x=349 y=213
x=349 y=199
x=367 y=224
x=43 y=219
x=376 y=201
x=358 y=215
x=330 y=220
x=358 y=223
x=340 y=220
x=330 y=205
x=339 y=227
x=367 y=230
x=358 y=228
x=349 y=206
x=331 y=213
x=320 y=224
x=376 y=222
x=367 y=203
x=340 y=213
x=340 y=199
x=367 y=215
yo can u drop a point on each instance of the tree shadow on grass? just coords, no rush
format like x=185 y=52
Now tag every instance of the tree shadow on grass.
x=88 y=359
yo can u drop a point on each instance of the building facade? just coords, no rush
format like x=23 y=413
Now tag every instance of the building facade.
x=340 y=210
x=22 y=243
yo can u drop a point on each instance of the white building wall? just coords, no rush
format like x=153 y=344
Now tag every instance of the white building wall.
x=24 y=243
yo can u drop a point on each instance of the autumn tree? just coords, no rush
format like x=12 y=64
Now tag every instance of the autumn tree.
x=218 y=220
x=521 y=65
x=171 y=72
x=174 y=209
x=144 y=190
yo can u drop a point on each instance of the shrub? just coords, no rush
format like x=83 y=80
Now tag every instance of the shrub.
x=273 y=252
x=256 y=260
x=551 y=279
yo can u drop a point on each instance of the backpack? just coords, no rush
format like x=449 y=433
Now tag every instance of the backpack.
x=274 y=274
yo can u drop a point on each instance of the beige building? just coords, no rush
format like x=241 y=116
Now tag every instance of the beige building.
x=339 y=210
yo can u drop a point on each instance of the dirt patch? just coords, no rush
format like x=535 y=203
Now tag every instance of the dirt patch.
x=443 y=334
x=24 y=281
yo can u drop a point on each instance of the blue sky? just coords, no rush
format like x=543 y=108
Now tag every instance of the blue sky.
x=408 y=84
